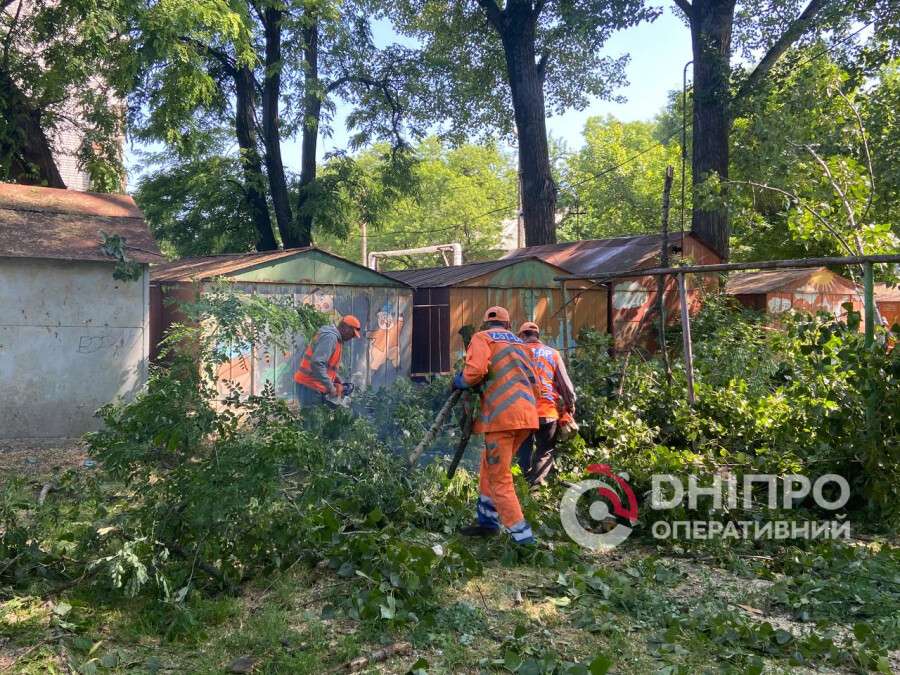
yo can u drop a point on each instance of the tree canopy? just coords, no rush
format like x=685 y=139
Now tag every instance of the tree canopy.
x=484 y=60
x=64 y=70
x=461 y=194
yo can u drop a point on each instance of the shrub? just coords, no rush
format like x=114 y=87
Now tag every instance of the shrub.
x=808 y=398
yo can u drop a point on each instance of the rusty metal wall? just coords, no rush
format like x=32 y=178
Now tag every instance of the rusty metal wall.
x=634 y=307
x=541 y=305
x=783 y=301
x=890 y=311
x=634 y=300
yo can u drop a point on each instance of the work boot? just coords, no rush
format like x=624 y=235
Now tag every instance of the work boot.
x=478 y=530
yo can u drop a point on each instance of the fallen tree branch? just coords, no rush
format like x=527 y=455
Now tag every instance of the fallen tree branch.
x=430 y=435
x=210 y=570
x=378 y=656
x=48 y=487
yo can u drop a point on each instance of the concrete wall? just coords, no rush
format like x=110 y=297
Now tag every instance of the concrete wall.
x=72 y=339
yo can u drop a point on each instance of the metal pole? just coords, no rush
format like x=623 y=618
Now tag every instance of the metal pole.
x=565 y=326
x=610 y=320
x=661 y=281
x=364 y=242
x=683 y=145
x=869 y=299
x=686 y=337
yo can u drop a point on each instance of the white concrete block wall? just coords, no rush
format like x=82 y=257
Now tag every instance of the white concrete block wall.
x=72 y=339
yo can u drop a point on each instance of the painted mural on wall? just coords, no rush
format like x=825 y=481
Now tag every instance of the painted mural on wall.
x=376 y=359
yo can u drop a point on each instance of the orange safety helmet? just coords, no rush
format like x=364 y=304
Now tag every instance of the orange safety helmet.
x=529 y=326
x=353 y=322
x=496 y=314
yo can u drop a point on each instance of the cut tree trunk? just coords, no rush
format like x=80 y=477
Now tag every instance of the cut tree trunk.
x=516 y=25
x=251 y=162
x=278 y=188
x=711 y=25
x=312 y=111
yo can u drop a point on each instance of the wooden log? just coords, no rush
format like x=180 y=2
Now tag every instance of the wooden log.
x=378 y=656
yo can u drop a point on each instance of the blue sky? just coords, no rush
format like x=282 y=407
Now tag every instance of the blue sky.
x=658 y=52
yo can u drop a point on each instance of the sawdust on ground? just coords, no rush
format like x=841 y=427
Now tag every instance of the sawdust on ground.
x=37 y=459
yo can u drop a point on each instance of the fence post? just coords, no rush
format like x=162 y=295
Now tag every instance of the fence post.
x=686 y=337
x=869 y=299
x=565 y=318
x=661 y=280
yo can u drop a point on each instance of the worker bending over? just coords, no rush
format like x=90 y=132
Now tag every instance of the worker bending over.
x=555 y=404
x=497 y=360
x=318 y=372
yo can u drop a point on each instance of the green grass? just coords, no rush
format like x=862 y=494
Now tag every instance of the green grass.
x=644 y=612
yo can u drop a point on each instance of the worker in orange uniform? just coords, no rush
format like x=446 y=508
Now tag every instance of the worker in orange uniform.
x=318 y=372
x=555 y=404
x=497 y=360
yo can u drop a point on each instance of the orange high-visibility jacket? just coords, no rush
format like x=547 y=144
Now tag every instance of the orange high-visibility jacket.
x=306 y=376
x=499 y=359
x=557 y=393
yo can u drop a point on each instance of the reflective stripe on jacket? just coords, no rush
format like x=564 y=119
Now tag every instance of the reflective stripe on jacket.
x=500 y=360
x=306 y=374
x=545 y=361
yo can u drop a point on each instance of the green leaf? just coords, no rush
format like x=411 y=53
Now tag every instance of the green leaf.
x=83 y=644
x=782 y=637
x=600 y=665
x=512 y=661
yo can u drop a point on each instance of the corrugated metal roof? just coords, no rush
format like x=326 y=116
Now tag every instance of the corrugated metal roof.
x=438 y=277
x=39 y=222
x=435 y=277
x=599 y=256
x=212 y=266
x=884 y=293
x=810 y=279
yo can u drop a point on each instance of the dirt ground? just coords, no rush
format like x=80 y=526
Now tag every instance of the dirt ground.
x=36 y=459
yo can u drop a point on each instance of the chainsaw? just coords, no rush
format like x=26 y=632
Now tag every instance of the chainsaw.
x=342 y=398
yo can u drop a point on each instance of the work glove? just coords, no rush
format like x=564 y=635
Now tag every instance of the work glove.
x=459 y=382
x=567 y=428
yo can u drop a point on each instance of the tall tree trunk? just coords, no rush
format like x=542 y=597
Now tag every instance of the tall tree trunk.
x=272 y=132
x=24 y=146
x=312 y=111
x=251 y=162
x=711 y=24
x=516 y=25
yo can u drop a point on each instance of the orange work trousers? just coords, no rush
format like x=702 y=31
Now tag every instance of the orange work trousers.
x=495 y=479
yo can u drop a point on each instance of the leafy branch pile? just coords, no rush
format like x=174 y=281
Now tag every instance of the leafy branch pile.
x=199 y=493
x=195 y=496
x=806 y=398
